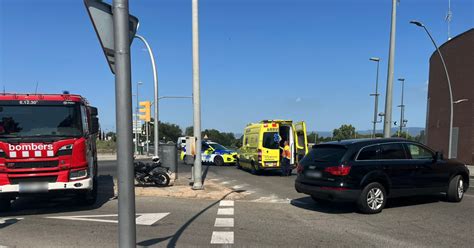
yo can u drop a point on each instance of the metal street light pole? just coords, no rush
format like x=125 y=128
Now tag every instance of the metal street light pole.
x=402 y=108
x=419 y=24
x=137 y=119
x=196 y=98
x=155 y=102
x=376 y=95
x=391 y=60
x=123 y=92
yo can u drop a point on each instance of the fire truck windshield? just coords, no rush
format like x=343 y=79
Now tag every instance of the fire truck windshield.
x=19 y=121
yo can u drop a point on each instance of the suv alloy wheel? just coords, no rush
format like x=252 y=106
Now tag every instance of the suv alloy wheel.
x=372 y=199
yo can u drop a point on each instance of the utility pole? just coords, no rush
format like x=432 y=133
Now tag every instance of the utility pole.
x=391 y=60
x=155 y=102
x=137 y=135
x=376 y=96
x=147 y=131
x=197 y=185
x=402 y=109
x=123 y=92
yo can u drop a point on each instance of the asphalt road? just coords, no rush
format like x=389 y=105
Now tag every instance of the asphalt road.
x=272 y=215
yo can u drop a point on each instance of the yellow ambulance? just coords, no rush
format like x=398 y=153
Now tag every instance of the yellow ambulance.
x=262 y=142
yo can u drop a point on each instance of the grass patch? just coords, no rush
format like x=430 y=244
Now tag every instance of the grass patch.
x=106 y=146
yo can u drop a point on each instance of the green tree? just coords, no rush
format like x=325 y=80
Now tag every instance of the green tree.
x=344 y=132
x=313 y=137
x=112 y=135
x=226 y=139
x=167 y=132
x=189 y=131
x=403 y=134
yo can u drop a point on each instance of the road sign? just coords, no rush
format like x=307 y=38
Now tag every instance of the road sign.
x=141 y=219
x=137 y=126
x=102 y=20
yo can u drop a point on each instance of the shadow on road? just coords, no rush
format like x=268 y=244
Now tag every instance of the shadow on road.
x=51 y=204
x=175 y=237
x=412 y=201
x=341 y=208
x=324 y=207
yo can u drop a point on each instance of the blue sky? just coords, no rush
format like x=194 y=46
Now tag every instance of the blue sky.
x=260 y=59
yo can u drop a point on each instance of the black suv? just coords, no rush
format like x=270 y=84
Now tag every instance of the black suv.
x=368 y=171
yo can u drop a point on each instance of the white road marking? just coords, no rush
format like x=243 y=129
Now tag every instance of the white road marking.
x=272 y=199
x=150 y=219
x=143 y=219
x=225 y=203
x=224 y=222
x=222 y=238
x=225 y=211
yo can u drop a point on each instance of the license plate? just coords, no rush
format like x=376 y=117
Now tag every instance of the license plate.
x=314 y=174
x=33 y=187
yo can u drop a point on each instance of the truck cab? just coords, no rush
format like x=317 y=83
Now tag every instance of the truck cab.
x=47 y=145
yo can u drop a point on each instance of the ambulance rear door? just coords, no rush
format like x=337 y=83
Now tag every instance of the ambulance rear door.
x=301 y=140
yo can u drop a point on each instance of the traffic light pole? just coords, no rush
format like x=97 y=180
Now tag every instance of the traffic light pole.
x=155 y=101
x=123 y=93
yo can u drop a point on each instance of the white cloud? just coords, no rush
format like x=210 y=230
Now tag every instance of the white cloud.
x=298 y=99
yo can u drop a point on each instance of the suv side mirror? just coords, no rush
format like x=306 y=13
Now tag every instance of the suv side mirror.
x=438 y=156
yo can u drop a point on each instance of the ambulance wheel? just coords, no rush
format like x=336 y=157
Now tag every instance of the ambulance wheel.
x=5 y=205
x=219 y=161
x=254 y=169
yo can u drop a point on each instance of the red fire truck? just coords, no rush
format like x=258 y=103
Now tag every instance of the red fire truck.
x=47 y=145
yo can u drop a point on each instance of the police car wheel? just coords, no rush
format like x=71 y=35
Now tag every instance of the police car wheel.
x=219 y=161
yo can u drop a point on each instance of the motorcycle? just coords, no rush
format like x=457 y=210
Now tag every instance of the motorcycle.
x=152 y=173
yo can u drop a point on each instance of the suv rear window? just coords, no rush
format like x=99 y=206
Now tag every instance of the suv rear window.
x=325 y=153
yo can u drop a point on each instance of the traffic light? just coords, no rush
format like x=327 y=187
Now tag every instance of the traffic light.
x=145 y=109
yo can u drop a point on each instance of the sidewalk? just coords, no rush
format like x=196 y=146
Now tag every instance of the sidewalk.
x=113 y=156
x=182 y=188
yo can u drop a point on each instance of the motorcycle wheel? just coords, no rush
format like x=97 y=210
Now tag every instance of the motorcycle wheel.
x=161 y=179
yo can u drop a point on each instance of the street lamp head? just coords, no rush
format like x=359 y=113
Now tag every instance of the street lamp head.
x=375 y=59
x=401 y=79
x=419 y=24
x=139 y=83
x=460 y=101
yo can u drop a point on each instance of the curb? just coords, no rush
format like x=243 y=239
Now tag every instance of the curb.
x=112 y=157
x=471 y=170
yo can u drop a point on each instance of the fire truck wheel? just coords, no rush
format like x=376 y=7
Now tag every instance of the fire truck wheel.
x=5 y=205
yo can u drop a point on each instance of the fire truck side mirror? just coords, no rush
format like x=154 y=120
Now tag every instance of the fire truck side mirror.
x=93 y=111
x=94 y=125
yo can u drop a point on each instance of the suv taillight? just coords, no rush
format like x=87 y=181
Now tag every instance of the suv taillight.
x=341 y=170
x=299 y=168
x=259 y=154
